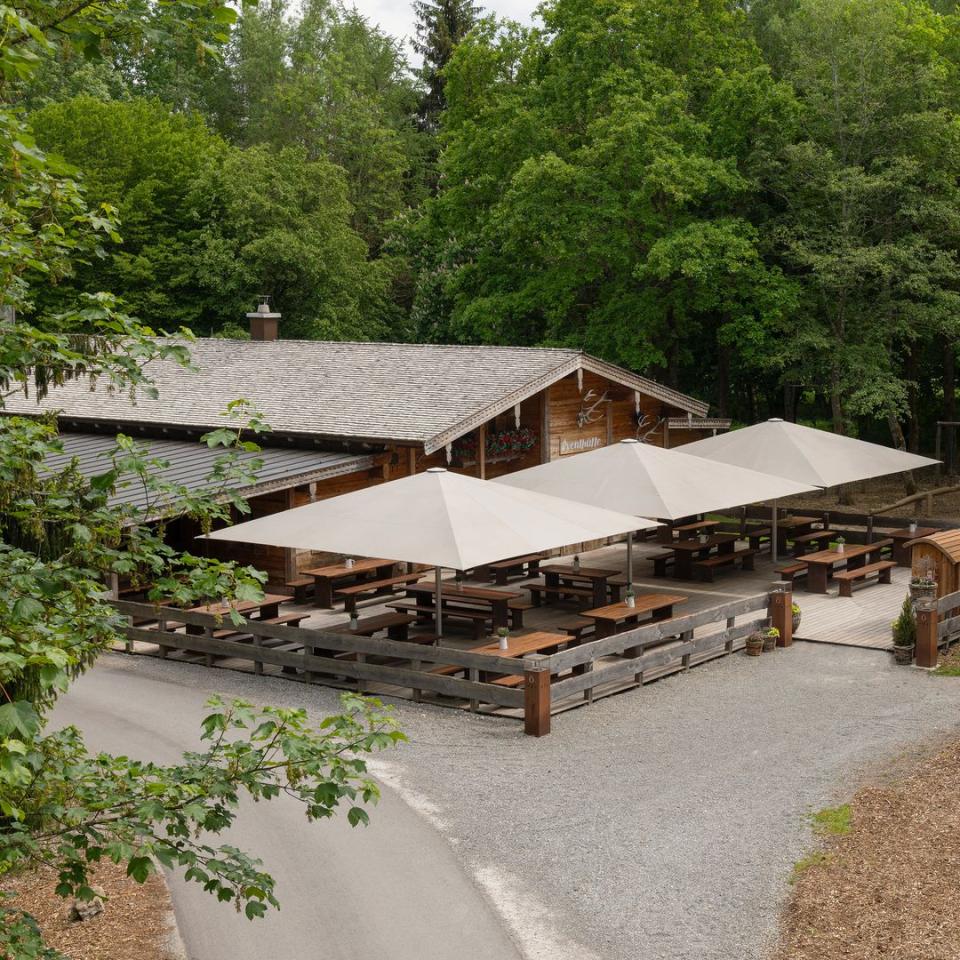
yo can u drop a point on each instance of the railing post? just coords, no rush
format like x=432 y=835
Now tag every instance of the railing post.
x=536 y=700
x=925 y=653
x=781 y=611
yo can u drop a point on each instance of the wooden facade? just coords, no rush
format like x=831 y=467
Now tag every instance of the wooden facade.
x=574 y=415
x=939 y=556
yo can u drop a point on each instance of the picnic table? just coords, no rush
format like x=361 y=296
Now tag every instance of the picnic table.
x=821 y=565
x=526 y=566
x=268 y=608
x=325 y=578
x=686 y=552
x=555 y=575
x=789 y=527
x=516 y=647
x=666 y=532
x=616 y=617
x=496 y=601
x=900 y=538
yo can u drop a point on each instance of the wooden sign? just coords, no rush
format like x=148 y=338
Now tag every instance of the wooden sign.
x=579 y=444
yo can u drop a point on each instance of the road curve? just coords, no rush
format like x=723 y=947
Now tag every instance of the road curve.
x=392 y=890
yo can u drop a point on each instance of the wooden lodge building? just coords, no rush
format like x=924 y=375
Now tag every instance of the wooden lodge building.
x=346 y=415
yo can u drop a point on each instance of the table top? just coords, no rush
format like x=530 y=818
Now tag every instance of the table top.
x=644 y=604
x=788 y=523
x=584 y=573
x=244 y=606
x=832 y=556
x=698 y=525
x=339 y=570
x=450 y=590
x=518 y=646
x=693 y=545
x=905 y=533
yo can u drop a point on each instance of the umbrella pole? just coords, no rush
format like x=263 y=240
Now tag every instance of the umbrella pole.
x=773 y=533
x=439 y=602
x=629 y=561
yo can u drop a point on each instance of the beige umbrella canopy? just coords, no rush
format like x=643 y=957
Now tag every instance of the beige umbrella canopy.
x=805 y=454
x=438 y=518
x=639 y=478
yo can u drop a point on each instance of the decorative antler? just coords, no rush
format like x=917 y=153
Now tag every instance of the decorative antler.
x=589 y=414
x=647 y=427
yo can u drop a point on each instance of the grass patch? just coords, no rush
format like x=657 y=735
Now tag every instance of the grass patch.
x=832 y=821
x=949 y=665
x=805 y=863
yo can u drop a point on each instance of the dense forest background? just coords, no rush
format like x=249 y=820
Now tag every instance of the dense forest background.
x=757 y=202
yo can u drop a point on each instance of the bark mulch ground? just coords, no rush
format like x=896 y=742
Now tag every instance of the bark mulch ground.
x=133 y=925
x=886 y=888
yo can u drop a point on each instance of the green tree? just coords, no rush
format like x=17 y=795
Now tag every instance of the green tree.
x=599 y=186
x=441 y=25
x=62 y=536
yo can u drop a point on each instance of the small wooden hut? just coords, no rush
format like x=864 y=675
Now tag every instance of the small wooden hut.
x=938 y=555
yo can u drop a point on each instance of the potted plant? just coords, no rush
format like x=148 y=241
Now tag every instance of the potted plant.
x=354 y=620
x=840 y=543
x=795 y=610
x=923 y=584
x=576 y=563
x=904 y=634
x=503 y=638
x=630 y=598
x=770 y=637
x=754 y=644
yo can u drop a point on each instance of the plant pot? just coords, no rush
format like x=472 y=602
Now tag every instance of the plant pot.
x=769 y=643
x=903 y=655
x=754 y=645
x=796 y=623
x=921 y=592
x=630 y=601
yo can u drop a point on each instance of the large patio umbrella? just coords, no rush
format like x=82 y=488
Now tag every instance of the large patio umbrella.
x=805 y=454
x=438 y=518
x=639 y=478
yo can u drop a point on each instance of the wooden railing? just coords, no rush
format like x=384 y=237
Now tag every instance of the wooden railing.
x=549 y=682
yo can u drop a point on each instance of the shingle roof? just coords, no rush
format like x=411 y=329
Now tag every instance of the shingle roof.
x=189 y=464
x=421 y=393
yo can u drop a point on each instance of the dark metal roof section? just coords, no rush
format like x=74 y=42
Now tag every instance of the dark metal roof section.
x=189 y=464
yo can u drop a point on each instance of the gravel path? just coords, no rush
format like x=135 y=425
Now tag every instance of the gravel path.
x=662 y=823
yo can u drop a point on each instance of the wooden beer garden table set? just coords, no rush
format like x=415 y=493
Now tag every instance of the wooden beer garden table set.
x=496 y=601
x=517 y=647
x=555 y=575
x=686 y=552
x=902 y=537
x=821 y=565
x=327 y=577
x=666 y=532
x=616 y=617
x=268 y=608
x=789 y=527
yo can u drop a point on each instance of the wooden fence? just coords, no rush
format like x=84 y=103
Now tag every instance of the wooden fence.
x=544 y=684
x=938 y=625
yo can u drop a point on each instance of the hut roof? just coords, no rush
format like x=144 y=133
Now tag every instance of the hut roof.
x=408 y=392
x=946 y=541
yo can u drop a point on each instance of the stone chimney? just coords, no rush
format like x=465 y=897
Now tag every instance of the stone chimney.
x=263 y=323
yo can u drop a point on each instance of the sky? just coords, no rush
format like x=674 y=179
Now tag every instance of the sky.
x=396 y=16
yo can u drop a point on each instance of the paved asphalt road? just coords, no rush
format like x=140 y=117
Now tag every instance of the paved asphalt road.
x=393 y=890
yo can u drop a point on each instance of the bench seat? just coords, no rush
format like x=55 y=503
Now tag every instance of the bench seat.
x=350 y=595
x=526 y=566
x=705 y=568
x=301 y=588
x=396 y=624
x=577 y=628
x=847 y=578
x=538 y=590
x=821 y=538
x=792 y=571
x=477 y=618
x=660 y=563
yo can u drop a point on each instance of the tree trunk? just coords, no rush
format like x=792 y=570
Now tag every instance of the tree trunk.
x=950 y=401
x=723 y=380
x=913 y=402
x=900 y=442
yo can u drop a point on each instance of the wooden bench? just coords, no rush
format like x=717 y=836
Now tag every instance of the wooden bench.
x=538 y=590
x=577 y=628
x=301 y=588
x=792 y=571
x=396 y=624
x=821 y=538
x=660 y=563
x=847 y=578
x=350 y=595
x=517 y=609
x=526 y=566
x=705 y=568
x=476 y=618
x=754 y=536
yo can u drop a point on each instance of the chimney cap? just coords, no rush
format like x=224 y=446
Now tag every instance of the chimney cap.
x=263 y=310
